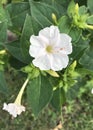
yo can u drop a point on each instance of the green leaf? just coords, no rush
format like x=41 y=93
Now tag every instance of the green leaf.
x=71 y=8
x=3 y=17
x=39 y=93
x=60 y=8
x=42 y=13
x=90 y=20
x=75 y=34
x=83 y=10
x=64 y=24
x=58 y=5
x=79 y=48
x=4 y=22
x=15 y=63
x=87 y=59
x=58 y=98
x=73 y=91
x=66 y=27
x=81 y=86
x=3 y=32
x=84 y=72
x=90 y=5
x=63 y=3
x=3 y=85
x=48 y=1
x=18 y=12
x=15 y=50
x=30 y=27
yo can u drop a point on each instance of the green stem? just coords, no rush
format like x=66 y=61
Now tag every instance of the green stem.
x=62 y=120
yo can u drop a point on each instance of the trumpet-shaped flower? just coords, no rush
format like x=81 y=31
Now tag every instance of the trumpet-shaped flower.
x=14 y=109
x=50 y=49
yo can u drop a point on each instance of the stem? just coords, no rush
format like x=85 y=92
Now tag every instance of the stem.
x=19 y=97
x=62 y=120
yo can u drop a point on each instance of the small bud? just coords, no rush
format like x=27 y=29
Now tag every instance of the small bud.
x=73 y=65
x=52 y=73
x=89 y=26
x=54 y=18
x=76 y=8
x=2 y=52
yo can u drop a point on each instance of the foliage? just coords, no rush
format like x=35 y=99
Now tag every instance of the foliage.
x=24 y=18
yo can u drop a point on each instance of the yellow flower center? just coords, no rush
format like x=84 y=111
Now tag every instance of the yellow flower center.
x=49 y=49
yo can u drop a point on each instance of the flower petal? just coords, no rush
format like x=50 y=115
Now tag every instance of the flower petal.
x=4 y=106
x=58 y=61
x=65 y=43
x=35 y=51
x=51 y=34
x=37 y=41
x=42 y=62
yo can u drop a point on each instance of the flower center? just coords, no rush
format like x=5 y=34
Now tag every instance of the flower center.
x=49 y=49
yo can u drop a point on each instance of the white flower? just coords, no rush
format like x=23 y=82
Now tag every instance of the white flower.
x=50 y=49
x=92 y=91
x=13 y=109
x=16 y=108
